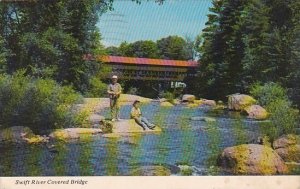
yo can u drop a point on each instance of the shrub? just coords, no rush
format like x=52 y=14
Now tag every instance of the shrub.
x=283 y=116
x=97 y=88
x=169 y=96
x=268 y=92
x=40 y=104
x=106 y=126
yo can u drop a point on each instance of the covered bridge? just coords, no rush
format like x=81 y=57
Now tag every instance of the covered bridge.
x=150 y=69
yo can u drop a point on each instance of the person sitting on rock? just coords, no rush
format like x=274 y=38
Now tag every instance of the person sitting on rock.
x=136 y=114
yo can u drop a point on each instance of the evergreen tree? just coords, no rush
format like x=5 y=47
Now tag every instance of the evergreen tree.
x=245 y=42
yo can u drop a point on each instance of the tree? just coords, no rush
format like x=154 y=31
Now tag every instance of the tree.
x=256 y=38
x=50 y=38
x=245 y=42
x=3 y=53
x=174 y=47
x=222 y=50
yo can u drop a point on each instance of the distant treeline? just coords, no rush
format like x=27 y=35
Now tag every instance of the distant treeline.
x=171 y=47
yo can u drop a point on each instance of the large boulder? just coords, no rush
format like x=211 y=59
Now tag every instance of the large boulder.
x=20 y=134
x=288 y=148
x=240 y=101
x=73 y=133
x=151 y=170
x=251 y=159
x=188 y=98
x=256 y=112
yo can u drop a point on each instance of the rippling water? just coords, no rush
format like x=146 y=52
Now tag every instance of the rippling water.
x=182 y=142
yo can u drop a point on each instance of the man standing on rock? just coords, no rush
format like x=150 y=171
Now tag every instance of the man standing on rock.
x=114 y=91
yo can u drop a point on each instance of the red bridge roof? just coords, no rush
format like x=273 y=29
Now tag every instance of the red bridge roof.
x=147 y=61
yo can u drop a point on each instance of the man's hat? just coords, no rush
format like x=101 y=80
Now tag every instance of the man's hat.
x=114 y=77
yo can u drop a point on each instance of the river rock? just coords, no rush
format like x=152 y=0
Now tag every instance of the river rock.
x=163 y=100
x=166 y=104
x=185 y=170
x=256 y=112
x=130 y=126
x=289 y=154
x=192 y=105
x=288 y=148
x=251 y=159
x=129 y=99
x=286 y=141
x=188 y=98
x=209 y=102
x=149 y=170
x=240 y=101
x=199 y=102
x=206 y=119
x=20 y=134
x=72 y=133
x=176 y=101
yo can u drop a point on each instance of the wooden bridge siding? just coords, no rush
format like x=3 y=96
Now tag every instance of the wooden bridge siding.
x=147 y=72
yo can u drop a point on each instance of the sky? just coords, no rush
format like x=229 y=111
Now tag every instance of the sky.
x=131 y=22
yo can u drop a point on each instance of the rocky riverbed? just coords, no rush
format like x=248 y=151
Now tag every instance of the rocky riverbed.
x=189 y=140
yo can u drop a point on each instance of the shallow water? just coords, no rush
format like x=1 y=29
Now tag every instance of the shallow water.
x=182 y=142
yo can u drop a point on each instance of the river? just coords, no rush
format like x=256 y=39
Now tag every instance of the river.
x=182 y=142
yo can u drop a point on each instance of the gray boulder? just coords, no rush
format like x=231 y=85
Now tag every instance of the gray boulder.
x=188 y=98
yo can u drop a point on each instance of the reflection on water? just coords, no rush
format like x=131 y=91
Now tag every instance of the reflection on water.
x=182 y=142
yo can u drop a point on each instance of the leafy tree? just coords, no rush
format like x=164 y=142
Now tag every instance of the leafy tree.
x=174 y=47
x=49 y=38
x=114 y=51
x=142 y=49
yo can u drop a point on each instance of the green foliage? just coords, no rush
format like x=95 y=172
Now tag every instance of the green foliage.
x=245 y=42
x=97 y=88
x=3 y=53
x=268 y=93
x=169 y=96
x=106 y=126
x=283 y=117
x=142 y=49
x=40 y=104
x=172 y=47
x=49 y=39
x=175 y=47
